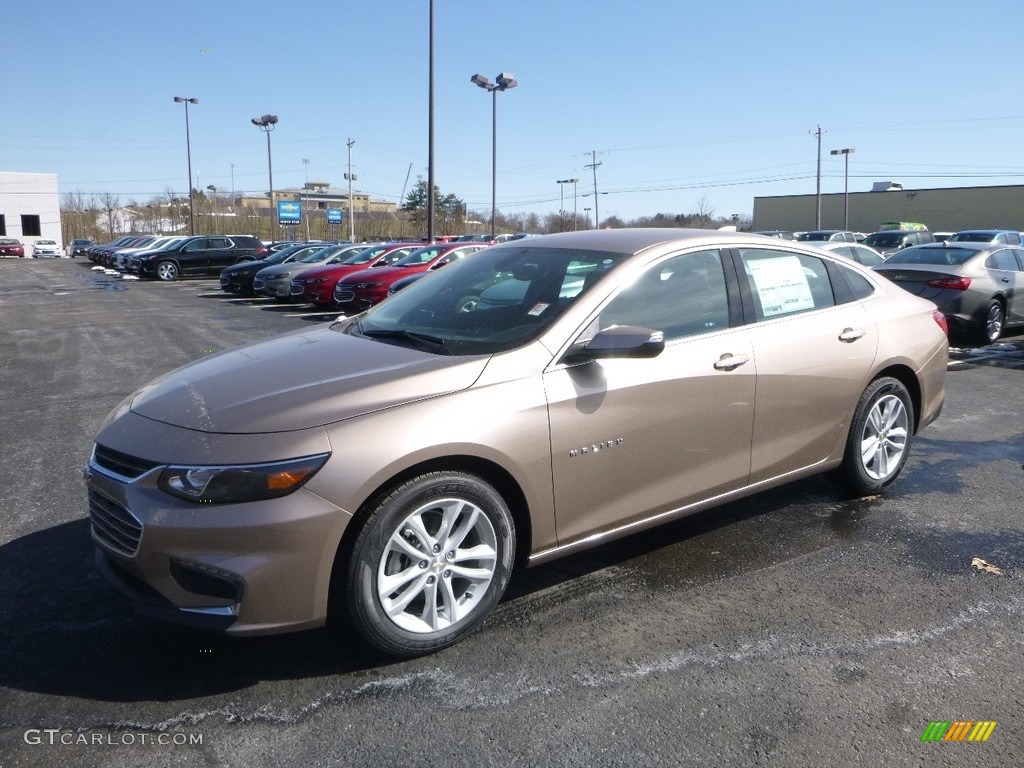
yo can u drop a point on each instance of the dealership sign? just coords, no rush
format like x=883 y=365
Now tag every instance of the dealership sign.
x=335 y=215
x=289 y=212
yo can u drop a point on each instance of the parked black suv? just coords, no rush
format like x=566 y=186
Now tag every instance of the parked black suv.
x=205 y=255
x=888 y=241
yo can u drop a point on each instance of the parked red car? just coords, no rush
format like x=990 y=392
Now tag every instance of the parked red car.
x=317 y=283
x=11 y=247
x=360 y=291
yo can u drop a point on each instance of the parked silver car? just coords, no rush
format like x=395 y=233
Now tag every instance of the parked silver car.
x=979 y=287
x=398 y=466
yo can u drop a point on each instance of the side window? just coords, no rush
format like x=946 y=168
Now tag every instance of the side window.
x=196 y=245
x=1002 y=259
x=682 y=296
x=784 y=283
x=219 y=242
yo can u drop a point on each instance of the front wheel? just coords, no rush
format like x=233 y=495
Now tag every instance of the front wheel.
x=880 y=435
x=431 y=561
x=167 y=270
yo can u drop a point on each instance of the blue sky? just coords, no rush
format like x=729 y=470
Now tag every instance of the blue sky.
x=686 y=104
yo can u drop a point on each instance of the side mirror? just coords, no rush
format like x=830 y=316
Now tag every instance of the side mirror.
x=617 y=341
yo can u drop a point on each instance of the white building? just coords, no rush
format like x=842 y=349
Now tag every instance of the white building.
x=29 y=207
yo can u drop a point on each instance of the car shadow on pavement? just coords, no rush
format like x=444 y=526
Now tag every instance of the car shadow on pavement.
x=67 y=632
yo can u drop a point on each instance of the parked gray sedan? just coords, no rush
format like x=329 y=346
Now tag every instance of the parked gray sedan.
x=979 y=287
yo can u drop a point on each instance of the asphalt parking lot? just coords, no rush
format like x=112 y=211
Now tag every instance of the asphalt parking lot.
x=795 y=628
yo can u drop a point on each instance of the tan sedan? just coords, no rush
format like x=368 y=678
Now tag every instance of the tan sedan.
x=547 y=395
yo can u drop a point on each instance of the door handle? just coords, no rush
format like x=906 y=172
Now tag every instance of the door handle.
x=729 y=362
x=851 y=334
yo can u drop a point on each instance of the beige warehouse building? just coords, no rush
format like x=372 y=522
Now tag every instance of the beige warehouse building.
x=942 y=210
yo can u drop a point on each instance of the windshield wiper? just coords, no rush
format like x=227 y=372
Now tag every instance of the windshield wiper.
x=424 y=339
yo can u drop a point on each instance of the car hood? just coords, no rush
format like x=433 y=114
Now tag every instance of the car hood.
x=299 y=380
x=383 y=273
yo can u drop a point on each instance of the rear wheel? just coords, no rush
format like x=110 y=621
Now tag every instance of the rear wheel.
x=430 y=563
x=880 y=436
x=167 y=270
x=994 y=321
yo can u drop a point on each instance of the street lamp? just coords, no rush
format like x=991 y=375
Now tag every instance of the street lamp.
x=212 y=188
x=561 y=206
x=188 y=150
x=302 y=208
x=266 y=124
x=504 y=81
x=587 y=212
x=846 y=185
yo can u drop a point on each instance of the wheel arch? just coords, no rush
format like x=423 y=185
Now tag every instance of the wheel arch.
x=906 y=376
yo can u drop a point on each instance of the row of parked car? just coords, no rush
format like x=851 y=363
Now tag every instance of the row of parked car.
x=975 y=277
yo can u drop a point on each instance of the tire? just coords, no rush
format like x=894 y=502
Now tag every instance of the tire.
x=880 y=436
x=430 y=562
x=166 y=271
x=995 y=319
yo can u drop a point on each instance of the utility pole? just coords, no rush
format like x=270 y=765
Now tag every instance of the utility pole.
x=593 y=165
x=817 y=195
x=351 y=177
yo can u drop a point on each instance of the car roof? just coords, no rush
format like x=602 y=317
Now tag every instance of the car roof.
x=635 y=240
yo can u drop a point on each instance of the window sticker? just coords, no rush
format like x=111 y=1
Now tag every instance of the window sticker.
x=781 y=285
x=538 y=309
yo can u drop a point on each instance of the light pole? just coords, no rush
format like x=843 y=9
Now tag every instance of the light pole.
x=350 y=177
x=266 y=124
x=561 y=204
x=213 y=188
x=302 y=208
x=587 y=212
x=846 y=152
x=504 y=81
x=188 y=150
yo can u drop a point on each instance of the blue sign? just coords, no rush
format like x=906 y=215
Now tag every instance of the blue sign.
x=289 y=212
x=335 y=215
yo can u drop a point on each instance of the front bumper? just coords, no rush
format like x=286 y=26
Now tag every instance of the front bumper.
x=247 y=568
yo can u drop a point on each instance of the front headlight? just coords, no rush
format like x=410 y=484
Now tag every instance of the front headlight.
x=364 y=286
x=241 y=482
x=276 y=276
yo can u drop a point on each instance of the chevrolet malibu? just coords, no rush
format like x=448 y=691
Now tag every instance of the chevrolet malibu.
x=544 y=396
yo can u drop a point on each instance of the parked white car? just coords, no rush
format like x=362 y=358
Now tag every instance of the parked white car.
x=46 y=249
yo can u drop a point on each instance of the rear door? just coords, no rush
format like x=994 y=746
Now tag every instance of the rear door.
x=813 y=357
x=1007 y=269
x=220 y=253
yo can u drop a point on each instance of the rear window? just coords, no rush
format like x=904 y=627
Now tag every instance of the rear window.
x=944 y=255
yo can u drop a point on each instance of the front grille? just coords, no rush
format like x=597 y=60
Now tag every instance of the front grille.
x=344 y=297
x=113 y=527
x=224 y=281
x=259 y=282
x=296 y=290
x=121 y=463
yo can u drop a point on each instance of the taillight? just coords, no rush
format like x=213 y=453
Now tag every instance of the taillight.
x=261 y=249
x=940 y=320
x=951 y=283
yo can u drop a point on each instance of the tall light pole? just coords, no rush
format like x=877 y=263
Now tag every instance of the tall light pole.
x=266 y=124
x=561 y=204
x=305 y=213
x=586 y=211
x=504 y=81
x=846 y=182
x=350 y=177
x=188 y=150
x=817 y=195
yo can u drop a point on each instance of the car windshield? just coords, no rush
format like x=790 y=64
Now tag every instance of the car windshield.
x=814 y=236
x=942 y=255
x=884 y=239
x=498 y=300
x=318 y=255
x=421 y=256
